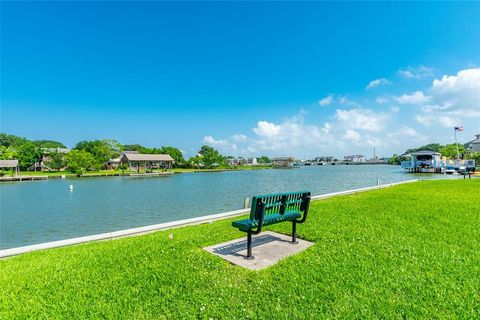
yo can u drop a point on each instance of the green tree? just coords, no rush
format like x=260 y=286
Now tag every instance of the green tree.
x=195 y=162
x=263 y=159
x=9 y=140
x=394 y=160
x=55 y=161
x=134 y=147
x=7 y=153
x=79 y=161
x=211 y=157
x=175 y=153
x=450 y=150
x=48 y=144
x=27 y=155
x=102 y=150
x=430 y=147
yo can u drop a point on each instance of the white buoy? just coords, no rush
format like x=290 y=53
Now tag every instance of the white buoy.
x=70 y=187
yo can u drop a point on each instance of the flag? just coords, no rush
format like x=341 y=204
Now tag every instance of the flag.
x=458 y=128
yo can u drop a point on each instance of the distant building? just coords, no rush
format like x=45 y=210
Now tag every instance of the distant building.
x=423 y=161
x=251 y=161
x=283 y=162
x=474 y=145
x=114 y=163
x=147 y=161
x=10 y=164
x=42 y=164
x=355 y=158
x=324 y=159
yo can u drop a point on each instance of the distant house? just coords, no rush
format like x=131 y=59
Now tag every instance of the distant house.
x=251 y=161
x=474 y=145
x=42 y=164
x=355 y=158
x=282 y=162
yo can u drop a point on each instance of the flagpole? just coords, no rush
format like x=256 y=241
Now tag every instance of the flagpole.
x=456 y=144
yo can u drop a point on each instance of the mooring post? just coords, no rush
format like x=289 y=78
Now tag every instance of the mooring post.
x=246 y=203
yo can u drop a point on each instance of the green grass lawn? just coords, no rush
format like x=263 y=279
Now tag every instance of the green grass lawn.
x=411 y=251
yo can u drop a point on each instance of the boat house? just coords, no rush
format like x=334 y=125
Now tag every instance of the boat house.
x=10 y=164
x=423 y=161
x=147 y=161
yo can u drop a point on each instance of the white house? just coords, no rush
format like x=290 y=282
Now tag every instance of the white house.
x=474 y=145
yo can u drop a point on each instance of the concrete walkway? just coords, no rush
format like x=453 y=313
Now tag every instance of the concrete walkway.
x=268 y=248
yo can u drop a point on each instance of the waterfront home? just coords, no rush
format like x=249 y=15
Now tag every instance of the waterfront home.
x=423 y=161
x=42 y=163
x=474 y=145
x=251 y=161
x=355 y=158
x=283 y=162
x=147 y=161
x=10 y=165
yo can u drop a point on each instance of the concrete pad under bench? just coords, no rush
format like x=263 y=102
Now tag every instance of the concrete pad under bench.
x=268 y=248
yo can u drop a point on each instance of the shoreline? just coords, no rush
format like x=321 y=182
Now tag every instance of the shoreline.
x=39 y=175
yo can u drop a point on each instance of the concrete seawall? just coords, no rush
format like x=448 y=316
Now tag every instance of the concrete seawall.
x=169 y=225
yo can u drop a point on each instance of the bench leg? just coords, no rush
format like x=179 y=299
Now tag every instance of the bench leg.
x=294 y=232
x=249 y=246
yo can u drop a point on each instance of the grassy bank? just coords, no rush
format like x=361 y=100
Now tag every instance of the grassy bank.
x=116 y=172
x=412 y=251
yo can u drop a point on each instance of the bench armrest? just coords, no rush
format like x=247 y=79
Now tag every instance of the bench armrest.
x=305 y=207
x=261 y=207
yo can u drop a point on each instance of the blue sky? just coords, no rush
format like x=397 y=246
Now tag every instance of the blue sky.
x=304 y=79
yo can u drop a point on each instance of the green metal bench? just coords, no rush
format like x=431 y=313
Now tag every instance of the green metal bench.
x=271 y=209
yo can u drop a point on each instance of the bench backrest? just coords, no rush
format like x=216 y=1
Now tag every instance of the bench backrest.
x=279 y=203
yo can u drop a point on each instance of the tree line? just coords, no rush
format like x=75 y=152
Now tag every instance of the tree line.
x=94 y=154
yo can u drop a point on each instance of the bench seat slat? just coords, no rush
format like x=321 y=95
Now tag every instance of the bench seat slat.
x=248 y=224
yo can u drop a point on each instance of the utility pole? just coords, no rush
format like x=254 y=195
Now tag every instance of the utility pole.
x=456 y=144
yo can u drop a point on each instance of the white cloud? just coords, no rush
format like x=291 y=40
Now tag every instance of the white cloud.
x=291 y=134
x=346 y=101
x=458 y=92
x=381 y=100
x=454 y=99
x=240 y=138
x=375 y=83
x=437 y=120
x=223 y=145
x=326 y=101
x=327 y=127
x=416 y=72
x=363 y=119
x=351 y=135
x=267 y=129
x=416 y=97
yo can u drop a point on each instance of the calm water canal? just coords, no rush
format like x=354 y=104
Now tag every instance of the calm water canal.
x=41 y=211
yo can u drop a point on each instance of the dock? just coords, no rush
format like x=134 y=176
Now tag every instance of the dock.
x=23 y=178
x=150 y=174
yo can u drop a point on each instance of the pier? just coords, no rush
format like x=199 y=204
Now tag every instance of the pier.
x=23 y=178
